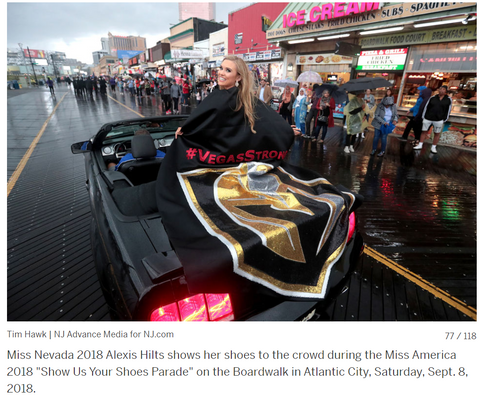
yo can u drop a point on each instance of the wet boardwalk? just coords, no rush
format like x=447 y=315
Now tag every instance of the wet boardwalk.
x=418 y=219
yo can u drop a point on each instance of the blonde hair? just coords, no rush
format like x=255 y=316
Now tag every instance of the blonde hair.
x=245 y=97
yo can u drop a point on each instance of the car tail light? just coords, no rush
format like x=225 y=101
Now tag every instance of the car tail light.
x=201 y=307
x=351 y=226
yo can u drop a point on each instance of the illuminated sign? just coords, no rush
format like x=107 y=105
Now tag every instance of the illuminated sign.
x=391 y=59
x=327 y=11
x=327 y=16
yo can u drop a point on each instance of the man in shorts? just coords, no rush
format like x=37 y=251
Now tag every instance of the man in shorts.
x=436 y=113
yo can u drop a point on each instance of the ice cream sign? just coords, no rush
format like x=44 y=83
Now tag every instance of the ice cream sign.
x=391 y=59
x=327 y=11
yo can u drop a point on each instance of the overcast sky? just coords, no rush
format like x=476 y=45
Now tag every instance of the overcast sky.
x=76 y=28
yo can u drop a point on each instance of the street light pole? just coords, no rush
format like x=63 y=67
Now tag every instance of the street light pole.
x=33 y=68
x=25 y=64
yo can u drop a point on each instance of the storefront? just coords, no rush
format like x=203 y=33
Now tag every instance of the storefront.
x=266 y=65
x=408 y=44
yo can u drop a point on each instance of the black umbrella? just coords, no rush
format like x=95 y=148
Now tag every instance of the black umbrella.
x=338 y=94
x=361 y=84
x=202 y=81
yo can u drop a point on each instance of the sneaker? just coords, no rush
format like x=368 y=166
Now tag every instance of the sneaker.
x=346 y=149
x=352 y=149
x=381 y=154
x=418 y=147
x=314 y=140
x=373 y=152
x=168 y=112
x=363 y=135
x=434 y=149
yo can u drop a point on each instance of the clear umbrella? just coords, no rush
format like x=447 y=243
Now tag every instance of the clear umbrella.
x=309 y=76
x=285 y=83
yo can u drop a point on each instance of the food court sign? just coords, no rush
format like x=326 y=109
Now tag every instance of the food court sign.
x=326 y=16
x=391 y=59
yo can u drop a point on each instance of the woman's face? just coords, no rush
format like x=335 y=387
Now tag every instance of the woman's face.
x=227 y=75
x=302 y=92
x=326 y=94
x=369 y=92
x=389 y=93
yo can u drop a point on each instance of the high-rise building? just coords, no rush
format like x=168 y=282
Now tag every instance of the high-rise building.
x=116 y=43
x=105 y=46
x=198 y=10
x=97 y=55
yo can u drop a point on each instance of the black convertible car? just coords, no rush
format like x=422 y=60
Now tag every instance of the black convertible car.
x=139 y=271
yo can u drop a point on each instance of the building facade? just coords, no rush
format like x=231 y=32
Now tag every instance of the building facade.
x=116 y=43
x=247 y=39
x=199 y=10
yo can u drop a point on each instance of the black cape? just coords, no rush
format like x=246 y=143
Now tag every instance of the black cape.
x=233 y=208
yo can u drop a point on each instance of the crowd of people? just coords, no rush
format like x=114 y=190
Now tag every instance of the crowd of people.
x=314 y=114
x=173 y=92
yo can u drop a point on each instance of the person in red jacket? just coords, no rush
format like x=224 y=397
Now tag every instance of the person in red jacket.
x=186 y=92
x=325 y=106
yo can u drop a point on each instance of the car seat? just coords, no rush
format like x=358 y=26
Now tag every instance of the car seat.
x=144 y=165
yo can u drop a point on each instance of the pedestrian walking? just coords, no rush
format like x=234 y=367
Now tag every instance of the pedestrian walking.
x=120 y=85
x=50 y=86
x=416 y=119
x=83 y=86
x=131 y=87
x=148 y=87
x=384 y=121
x=89 y=86
x=167 y=100
x=325 y=106
x=436 y=113
x=369 y=100
x=299 y=111
x=354 y=120
x=112 y=83
x=312 y=113
x=139 y=85
x=286 y=105
x=103 y=85
x=186 y=93
x=175 y=92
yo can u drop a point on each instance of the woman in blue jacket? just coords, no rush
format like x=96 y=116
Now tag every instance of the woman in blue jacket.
x=416 y=123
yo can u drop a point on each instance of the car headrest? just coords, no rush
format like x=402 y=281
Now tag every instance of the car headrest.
x=143 y=146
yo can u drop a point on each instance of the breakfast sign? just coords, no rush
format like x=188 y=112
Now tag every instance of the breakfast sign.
x=326 y=16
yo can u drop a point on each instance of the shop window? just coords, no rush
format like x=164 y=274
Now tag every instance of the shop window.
x=446 y=57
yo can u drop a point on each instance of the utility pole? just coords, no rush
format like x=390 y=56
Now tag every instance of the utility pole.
x=54 y=67
x=25 y=64
x=33 y=68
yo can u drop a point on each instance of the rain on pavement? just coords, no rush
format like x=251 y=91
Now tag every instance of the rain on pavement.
x=418 y=219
